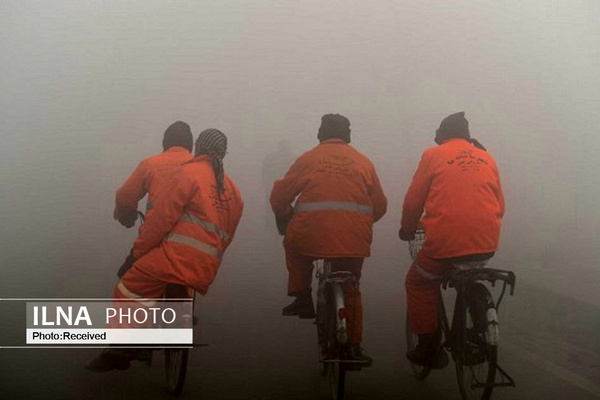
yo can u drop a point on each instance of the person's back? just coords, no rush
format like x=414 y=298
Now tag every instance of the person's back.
x=153 y=173
x=338 y=202
x=337 y=198
x=195 y=242
x=457 y=186
x=463 y=204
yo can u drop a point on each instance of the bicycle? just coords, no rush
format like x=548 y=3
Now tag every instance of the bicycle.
x=332 y=327
x=473 y=337
x=176 y=358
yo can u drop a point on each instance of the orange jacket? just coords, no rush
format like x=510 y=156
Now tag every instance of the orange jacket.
x=458 y=187
x=339 y=198
x=148 y=177
x=191 y=225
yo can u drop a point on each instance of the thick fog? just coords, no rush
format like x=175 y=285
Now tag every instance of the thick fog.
x=87 y=89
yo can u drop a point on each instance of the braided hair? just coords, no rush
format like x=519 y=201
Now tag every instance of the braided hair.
x=213 y=143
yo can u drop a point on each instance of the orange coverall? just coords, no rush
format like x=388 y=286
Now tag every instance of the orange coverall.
x=339 y=197
x=184 y=238
x=148 y=177
x=458 y=187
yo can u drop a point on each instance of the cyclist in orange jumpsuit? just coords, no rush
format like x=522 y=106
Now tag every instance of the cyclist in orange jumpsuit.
x=457 y=187
x=337 y=198
x=153 y=172
x=183 y=240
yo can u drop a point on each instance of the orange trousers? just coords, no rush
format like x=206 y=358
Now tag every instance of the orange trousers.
x=300 y=268
x=422 y=284
x=137 y=284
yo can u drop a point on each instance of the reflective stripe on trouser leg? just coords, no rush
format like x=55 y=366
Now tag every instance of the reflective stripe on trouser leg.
x=424 y=273
x=129 y=307
x=133 y=296
x=422 y=298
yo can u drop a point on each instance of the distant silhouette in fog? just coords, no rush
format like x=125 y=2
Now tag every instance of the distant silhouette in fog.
x=275 y=166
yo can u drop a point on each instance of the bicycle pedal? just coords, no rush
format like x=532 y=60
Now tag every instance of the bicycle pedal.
x=353 y=367
x=441 y=360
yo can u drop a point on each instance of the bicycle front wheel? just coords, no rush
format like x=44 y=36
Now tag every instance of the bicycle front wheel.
x=476 y=351
x=176 y=361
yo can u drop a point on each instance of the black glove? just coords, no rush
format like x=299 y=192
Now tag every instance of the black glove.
x=127 y=264
x=128 y=220
x=406 y=236
x=282 y=223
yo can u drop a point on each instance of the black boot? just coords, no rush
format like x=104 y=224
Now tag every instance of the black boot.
x=302 y=306
x=357 y=354
x=110 y=359
x=425 y=351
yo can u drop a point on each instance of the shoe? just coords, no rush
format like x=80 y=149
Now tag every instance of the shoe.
x=141 y=355
x=358 y=354
x=302 y=306
x=108 y=360
x=440 y=360
x=424 y=353
x=473 y=355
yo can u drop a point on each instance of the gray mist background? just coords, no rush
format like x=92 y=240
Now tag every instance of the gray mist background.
x=87 y=89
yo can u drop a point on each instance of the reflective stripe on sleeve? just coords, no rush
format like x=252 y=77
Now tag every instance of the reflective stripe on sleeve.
x=195 y=243
x=209 y=226
x=333 y=205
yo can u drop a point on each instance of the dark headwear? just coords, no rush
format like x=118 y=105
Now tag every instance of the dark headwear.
x=456 y=126
x=178 y=134
x=213 y=143
x=453 y=126
x=334 y=126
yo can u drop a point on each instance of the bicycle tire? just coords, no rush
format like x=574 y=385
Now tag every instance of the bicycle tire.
x=476 y=359
x=335 y=371
x=176 y=361
x=420 y=372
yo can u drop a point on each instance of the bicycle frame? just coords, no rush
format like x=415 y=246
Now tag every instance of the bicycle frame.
x=334 y=281
x=461 y=280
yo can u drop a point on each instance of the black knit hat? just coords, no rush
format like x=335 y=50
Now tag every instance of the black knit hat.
x=334 y=126
x=178 y=134
x=453 y=126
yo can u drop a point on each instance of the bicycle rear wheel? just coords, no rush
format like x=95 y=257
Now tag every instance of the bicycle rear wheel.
x=176 y=361
x=476 y=351
x=335 y=371
x=420 y=372
x=336 y=375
